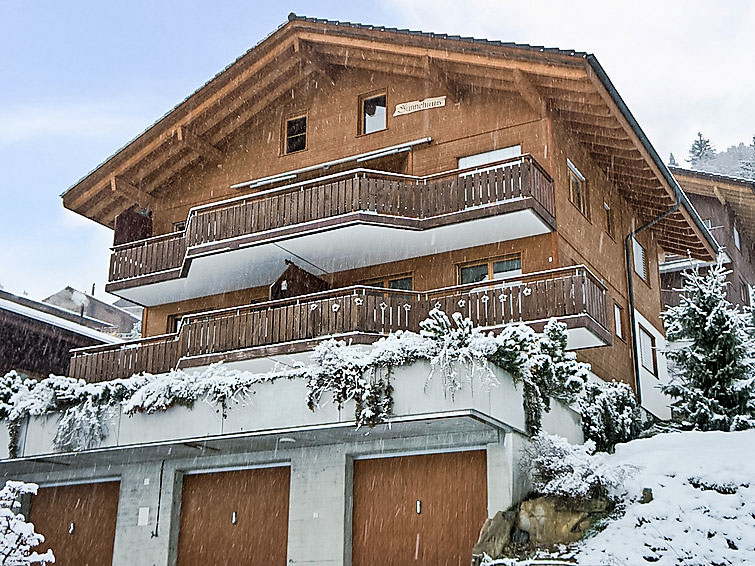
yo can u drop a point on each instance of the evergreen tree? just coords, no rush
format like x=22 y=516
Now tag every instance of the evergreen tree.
x=701 y=151
x=672 y=161
x=713 y=374
x=748 y=164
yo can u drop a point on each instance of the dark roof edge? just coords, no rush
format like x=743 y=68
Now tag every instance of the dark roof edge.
x=603 y=76
x=714 y=176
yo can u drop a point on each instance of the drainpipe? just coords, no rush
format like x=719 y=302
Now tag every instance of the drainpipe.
x=630 y=283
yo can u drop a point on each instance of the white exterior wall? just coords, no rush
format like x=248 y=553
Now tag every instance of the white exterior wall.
x=653 y=400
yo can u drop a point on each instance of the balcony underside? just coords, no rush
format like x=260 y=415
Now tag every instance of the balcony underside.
x=345 y=242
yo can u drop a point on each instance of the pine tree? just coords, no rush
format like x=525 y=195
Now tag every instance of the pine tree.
x=672 y=161
x=713 y=374
x=701 y=151
x=748 y=164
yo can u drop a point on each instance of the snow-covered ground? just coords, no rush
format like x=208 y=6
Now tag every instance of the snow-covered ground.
x=703 y=507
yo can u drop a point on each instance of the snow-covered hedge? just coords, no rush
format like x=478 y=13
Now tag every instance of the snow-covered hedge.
x=539 y=362
x=556 y=467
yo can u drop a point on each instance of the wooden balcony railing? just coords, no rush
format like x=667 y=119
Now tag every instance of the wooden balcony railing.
x=367 y=311
x=336 y=195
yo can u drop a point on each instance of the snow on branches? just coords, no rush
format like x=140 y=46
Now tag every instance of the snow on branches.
x=347 y=372
x=610 y=414
x=713 y=373
x=17 y=537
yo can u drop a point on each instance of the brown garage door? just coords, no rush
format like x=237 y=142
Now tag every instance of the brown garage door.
x=387 y=530
x=258 y=502
x=92 y=508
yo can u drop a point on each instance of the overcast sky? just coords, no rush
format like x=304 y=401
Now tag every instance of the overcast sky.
x=79 y=79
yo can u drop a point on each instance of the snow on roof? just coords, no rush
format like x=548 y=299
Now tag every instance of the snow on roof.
x=49 y=318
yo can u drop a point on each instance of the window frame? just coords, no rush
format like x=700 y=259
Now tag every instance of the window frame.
x=384 y=282
x=737 y=236
x=179 y=226
x=618 y=321
x=642 y=331
x=285 y=136
x=489 y=262
x=744 y=292
x=609 y=218
x=362 y=100
x=584 y=202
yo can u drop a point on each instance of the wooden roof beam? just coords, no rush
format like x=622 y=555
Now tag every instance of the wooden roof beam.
x=120 y=186
x=438 y=75
x=308 y=55
x=530 y=94
x=199 y=145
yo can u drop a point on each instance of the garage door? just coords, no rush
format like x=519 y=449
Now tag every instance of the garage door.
x=78 y=522
x=418 y=510
x=238 y=517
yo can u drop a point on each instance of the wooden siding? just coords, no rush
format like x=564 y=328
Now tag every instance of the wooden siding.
x=386 y=528
x=91 y=508
x=533 y=297
x=381 y=193
x=259 y=498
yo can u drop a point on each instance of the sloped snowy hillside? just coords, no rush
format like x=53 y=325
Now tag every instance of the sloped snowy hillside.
x=703 y=506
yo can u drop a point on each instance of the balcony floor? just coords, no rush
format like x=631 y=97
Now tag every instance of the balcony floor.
x=335 y=244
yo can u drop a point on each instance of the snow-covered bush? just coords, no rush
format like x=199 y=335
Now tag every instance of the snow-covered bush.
x=713 y=376
x=610 y=414
x=556 y=467
x=18 y=539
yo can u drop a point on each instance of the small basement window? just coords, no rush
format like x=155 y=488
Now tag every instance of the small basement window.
x=640 y=260
x=373 y=114
x=577 y=188
x=647 y=351
x=296 y=134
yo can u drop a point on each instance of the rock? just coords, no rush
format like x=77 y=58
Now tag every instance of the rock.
x=556 y=520
x=495 y=534
x=647 y=495
x=520 y=537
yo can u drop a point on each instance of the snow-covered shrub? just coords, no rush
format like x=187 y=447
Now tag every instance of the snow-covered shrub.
x=610 y=414
x=713 y=376
x=18 y=539
x=556 y=467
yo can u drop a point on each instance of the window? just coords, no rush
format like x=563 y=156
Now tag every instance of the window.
x=609 y=219
x=373 y=114
x=179 y=226
x=577 y=188
x=488 y=157
x=640 y=260
x=737 y=240
x=296 y=134
x=647 y=351
x=744 y=292
x=400 y=283
x=708 y=223
x=490 y=270
x=618 y=320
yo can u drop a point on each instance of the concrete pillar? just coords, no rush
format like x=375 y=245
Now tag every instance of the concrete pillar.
x=140 y=540
x=320 y=504
x=506 y=483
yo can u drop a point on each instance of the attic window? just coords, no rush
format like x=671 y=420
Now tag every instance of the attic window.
x=373 y=114
x=640 y=260
x=577 y=188
x=737 y=238
x=296 y=134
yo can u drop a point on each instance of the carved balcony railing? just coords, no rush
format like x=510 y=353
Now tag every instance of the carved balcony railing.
x=361 y=313
x=333 y=196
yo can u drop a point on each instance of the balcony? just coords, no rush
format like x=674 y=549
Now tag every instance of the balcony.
x=346 y=220
x=275 y=330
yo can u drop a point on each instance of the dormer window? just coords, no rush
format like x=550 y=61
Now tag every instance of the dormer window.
x=296 y=134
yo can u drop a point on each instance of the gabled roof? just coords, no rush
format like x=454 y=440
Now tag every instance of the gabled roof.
x=738 y=192
x=571 y=86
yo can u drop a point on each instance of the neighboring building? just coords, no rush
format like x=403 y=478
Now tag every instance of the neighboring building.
x=727 y=207
x=36 y=338
x=342 y=180
x=75 y=301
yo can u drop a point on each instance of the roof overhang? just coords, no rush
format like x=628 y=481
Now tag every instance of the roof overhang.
x=567 y=86
x=736 y=192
